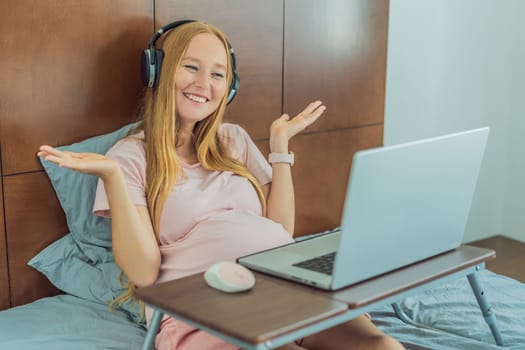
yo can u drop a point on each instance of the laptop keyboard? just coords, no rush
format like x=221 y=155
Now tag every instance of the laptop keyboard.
x=323 y=264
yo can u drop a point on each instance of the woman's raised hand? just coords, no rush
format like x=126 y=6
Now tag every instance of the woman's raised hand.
x=88 y=163
x=284 y=128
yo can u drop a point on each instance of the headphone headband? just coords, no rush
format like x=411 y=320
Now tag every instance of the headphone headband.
x=152 y=58
x=166 y=28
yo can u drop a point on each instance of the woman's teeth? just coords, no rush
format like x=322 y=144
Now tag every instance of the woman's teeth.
x=196 y=98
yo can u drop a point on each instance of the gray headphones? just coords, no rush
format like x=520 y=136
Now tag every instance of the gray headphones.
x=151 y=62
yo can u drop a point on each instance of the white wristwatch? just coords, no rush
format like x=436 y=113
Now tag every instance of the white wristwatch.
x=281 y=158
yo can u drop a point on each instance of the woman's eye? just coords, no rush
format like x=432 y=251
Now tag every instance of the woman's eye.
x=191 y=67
x=218 y=75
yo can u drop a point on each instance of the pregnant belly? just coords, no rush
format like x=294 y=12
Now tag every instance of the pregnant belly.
x=226 y=236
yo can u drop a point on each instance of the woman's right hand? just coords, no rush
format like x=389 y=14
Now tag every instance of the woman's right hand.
x=134 y=243
x=87 y=163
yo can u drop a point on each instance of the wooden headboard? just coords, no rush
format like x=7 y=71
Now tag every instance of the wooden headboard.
x=70 y=70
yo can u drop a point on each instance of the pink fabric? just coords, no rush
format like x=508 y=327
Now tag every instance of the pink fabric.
x=209 y=216
x=174 y=334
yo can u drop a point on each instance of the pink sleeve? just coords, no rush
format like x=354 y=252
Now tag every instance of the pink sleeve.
x=247 y=152
x=129 y=153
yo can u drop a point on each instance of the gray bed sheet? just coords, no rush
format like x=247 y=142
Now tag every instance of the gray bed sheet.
x=449 y=317
x=66 y=322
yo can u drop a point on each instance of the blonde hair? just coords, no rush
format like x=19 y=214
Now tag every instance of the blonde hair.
x=161 y=126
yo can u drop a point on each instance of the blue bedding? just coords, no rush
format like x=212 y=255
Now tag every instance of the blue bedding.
x=65 y=322
x=449 y=316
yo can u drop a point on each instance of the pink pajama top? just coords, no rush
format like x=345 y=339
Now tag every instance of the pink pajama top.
x=210 y=215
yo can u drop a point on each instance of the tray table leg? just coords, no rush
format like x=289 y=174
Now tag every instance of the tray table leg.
x=149 y=340
x=487 y=312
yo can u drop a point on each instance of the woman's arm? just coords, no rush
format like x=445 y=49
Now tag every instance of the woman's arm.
x=280 y=194
x=280 y=197
x=134 y=243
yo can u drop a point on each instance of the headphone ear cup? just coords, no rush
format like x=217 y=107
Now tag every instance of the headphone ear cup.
x=159 y=57
x=151 y=66
x=146 y=68
x=234 y=87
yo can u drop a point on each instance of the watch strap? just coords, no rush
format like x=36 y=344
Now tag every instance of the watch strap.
x=287 y=158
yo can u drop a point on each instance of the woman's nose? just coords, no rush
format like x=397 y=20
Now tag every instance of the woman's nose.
x=202 y=78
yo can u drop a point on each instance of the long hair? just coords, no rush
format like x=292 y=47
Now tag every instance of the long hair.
x=161 y=126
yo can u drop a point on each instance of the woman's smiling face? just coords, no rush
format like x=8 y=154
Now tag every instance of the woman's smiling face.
x=200 y=82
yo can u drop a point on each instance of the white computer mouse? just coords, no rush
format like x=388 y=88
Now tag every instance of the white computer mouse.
x=229 y=277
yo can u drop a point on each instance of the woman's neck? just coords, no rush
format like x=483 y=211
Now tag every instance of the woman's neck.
x=186 y=146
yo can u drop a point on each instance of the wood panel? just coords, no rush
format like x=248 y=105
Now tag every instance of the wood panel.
x=4 y=276
x=34 y=219
x=70 y=69
x=335 y=51
x=321 y=171
x=254 y=29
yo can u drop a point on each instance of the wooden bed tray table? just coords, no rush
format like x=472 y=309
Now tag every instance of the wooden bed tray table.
x=276 y=312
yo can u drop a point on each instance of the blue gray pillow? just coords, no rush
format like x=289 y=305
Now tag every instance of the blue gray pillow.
x=81 y=263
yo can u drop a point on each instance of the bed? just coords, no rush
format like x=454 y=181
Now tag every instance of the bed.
x=66 y=322
x=449 y=314
x=80 y=264
x=448 y=317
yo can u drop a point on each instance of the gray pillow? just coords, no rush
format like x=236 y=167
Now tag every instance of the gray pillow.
x=81 y=263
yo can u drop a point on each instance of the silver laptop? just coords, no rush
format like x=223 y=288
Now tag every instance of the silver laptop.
x=404 y=203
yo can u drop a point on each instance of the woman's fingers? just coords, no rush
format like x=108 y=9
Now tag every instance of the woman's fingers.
x=53 y=158
x=73 y=154
x=62 y=158
x=312 y=116
x=309 y=115
x=88 y=163
x=292 y=126
x=49 y=149
x=284 y=127
x=312 y=108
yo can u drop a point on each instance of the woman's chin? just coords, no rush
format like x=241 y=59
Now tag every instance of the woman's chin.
x=194 y=114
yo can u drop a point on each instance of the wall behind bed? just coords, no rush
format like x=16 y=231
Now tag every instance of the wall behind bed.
x=70 y=70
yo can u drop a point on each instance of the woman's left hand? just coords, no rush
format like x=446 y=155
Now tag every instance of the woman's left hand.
x=284 y=128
